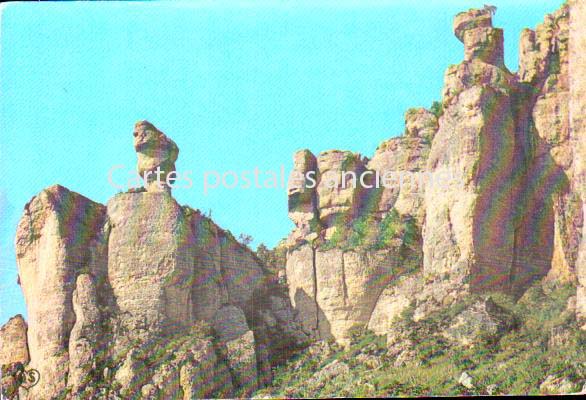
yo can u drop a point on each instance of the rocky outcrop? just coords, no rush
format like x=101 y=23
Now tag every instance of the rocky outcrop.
x=481 y=41
x=483 y=320
x=84 y=337
x=303 y=209
x=238 y=344
x=13 y=343
x=392 y=302
x=484 y=192
x=339 y=189
x=507 y=150
x=344 y=290
x=577 y=111
x=548 y=216
x=150 y=244
x=348 y=243
x=109 y=287
x=460 y=241
x=60 y=236
x=156 y=157
x=403 y=160
x=420 y=122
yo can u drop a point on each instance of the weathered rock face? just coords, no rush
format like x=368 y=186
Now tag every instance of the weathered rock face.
x=460 y=237
x=13 y=343
x=155 y=151
x=481 y=41
x=302 y=191
x=505 y=159
x=84 y=340
x=548 y=216
x=344 y=289
x=109 y=287
x=403 y=159
x=392 y=302
x=150 y=244
x=577 y=76
x=59 y=237
x=420 y=122
x=335 y=278
x=237 y=341
x=469 y=20
x=538 y=236
x=339 y=188
x=462 y=240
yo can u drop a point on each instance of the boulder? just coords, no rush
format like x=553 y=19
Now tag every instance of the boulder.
x=239 y=345
x=557 y=385
x=483 y=320
x=466 y=381
x=471 y=19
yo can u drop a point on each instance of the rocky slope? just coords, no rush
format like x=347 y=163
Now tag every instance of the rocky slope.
x=525 y=347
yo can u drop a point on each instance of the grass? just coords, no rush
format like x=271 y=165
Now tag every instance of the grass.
x=517 y=363
x=366 y=233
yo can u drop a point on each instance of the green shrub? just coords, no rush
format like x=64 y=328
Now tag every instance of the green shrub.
x=437 y=108
x=517 y=364
x=390 y=228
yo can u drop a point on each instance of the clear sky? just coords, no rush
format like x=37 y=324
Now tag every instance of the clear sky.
x=237 y=85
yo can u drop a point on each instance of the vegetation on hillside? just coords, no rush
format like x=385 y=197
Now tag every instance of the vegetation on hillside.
x=369 y=233
x=543 y=351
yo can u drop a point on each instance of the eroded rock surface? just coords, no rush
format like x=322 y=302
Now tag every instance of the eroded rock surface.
x=155 y=151
x=13 y=343
x=507 y=150
x=60 y=236
x=496 y=202
x=577 y=76
x=110 y=287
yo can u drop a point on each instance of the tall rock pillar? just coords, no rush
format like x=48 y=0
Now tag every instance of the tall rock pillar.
x=468 y=234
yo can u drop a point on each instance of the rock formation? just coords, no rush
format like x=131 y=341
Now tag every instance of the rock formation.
x=485 y=192
x=156 y=153
x=577 y=121
x=108 y=287
x=512 y=215
x=336 y=277
x=13 y=344
x=59 y=237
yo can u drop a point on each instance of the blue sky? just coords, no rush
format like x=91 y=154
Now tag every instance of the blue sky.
x=237 y=85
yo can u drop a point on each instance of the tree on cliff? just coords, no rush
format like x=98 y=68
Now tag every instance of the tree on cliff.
x=245 y=239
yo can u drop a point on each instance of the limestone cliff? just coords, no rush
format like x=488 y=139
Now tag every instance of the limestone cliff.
x=577 y=121
x=512 y=217
x=484 y=192
x=109 y=287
